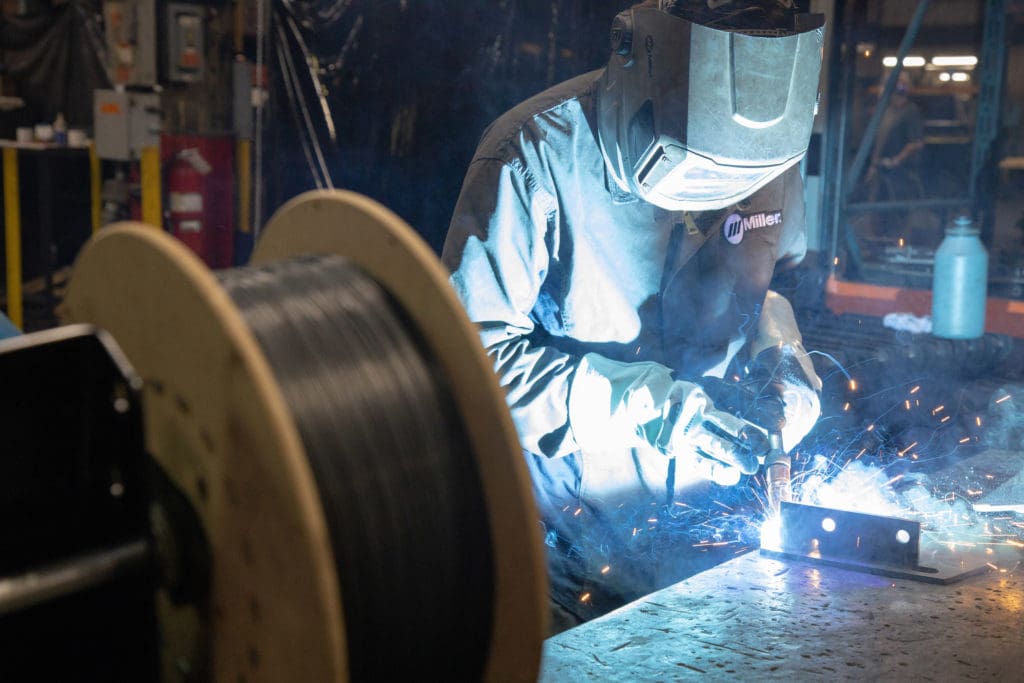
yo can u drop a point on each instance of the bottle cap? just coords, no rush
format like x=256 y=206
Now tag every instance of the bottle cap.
x=963 y=225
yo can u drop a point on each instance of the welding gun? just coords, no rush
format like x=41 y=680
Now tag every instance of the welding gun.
x=757 y=403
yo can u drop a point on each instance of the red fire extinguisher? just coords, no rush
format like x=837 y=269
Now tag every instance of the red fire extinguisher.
x=185 y=186
x=199 y=203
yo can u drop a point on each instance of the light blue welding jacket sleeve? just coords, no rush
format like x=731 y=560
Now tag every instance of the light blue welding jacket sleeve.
x=504 y=240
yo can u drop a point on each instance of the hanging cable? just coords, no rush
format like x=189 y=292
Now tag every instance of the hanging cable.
x=261 y=36
x=296 y=99
x=293 y=96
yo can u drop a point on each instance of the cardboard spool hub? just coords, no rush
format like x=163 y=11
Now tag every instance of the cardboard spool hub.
x=218 y=425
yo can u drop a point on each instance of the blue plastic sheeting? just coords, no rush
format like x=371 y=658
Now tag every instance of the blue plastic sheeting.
x=7 y=328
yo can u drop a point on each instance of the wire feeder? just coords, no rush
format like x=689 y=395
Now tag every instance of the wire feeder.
x=396 y=476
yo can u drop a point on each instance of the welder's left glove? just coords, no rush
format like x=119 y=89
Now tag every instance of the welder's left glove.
x=785 y=371
x=780 y=362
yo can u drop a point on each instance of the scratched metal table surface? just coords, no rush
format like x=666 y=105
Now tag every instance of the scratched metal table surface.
x=755 y=618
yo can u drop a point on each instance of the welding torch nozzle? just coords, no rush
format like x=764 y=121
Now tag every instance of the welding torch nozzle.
x=777 y=473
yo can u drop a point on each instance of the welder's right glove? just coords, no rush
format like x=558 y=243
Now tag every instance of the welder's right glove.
x=640 y=405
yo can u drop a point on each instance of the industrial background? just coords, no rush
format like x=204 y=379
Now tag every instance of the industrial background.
x=203 y=119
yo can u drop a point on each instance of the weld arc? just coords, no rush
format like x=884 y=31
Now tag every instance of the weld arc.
x=396 y=476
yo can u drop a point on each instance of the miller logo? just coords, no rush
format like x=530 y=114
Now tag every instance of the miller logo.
x=735 y=225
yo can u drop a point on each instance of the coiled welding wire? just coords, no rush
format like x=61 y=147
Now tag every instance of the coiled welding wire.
x=396 y=476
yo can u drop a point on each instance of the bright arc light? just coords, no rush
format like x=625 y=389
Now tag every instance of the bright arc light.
x=955 y=60
x=960 y=77
x=771 y=534
x=903 y=536
x=944 y=76
x=828 y=524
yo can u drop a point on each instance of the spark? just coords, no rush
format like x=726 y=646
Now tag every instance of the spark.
x=718 y=502
x=1004 y=398
x=944 y=419
x=906 y=404
x=853 y=385
x=977 y=420
x=907 y=449
x=915 y=389
x=585 y=597
x=605 y=569
x=965 y=439
x=577 y=513
x=846 y=406
x=870 y=428
x=652 y=520
x=938 y=409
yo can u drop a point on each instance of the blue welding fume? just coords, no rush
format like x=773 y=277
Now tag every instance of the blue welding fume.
x=960 y=283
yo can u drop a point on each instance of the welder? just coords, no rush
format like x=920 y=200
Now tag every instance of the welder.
x=614 y=240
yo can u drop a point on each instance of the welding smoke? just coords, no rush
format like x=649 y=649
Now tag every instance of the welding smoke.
x=867 y=488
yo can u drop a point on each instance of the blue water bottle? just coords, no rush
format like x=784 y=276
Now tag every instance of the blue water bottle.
x=960 y=283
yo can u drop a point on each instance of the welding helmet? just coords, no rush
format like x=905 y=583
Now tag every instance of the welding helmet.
x=697 y=116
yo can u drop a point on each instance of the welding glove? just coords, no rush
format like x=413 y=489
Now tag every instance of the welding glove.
x=780 y=363
x=641 y=405
x=779 y=370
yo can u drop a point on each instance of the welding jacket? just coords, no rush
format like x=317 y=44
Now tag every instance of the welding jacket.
x=579 y=288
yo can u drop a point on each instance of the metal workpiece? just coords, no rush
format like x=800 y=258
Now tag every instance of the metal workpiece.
x=755 y=618
x=877 y=544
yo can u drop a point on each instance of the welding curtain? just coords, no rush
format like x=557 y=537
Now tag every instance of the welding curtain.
x=54 y=57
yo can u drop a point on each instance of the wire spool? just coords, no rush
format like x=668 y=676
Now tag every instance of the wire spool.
x=338 y=431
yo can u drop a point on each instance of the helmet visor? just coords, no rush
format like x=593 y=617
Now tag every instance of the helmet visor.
x=676 y=180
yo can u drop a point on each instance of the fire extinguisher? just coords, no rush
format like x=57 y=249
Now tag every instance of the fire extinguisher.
x=185 y=185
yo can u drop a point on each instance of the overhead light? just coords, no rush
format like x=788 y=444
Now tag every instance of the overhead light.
x=944 y=76
x=960 y=76
x=955 y=60
x=907 y=61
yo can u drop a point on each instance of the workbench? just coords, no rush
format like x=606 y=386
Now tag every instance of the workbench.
x=754 y=618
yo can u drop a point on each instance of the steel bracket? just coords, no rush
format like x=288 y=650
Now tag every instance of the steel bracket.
x=887 y=546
